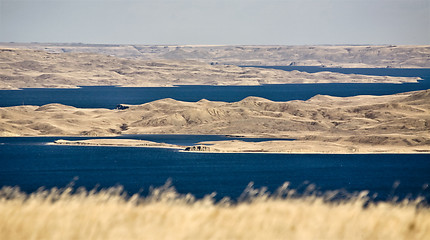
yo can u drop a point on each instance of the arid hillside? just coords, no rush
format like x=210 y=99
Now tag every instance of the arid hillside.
x=408 y=56
x=393 y=120
x=39 y=69
x=324 y=56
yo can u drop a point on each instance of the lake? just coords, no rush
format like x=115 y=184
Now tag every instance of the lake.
x=29 y=163
x=109 y=96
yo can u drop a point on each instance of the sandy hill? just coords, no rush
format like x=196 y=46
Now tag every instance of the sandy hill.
x=395 y=120
x=327 y=56
x=34 y=69
x=408 y=56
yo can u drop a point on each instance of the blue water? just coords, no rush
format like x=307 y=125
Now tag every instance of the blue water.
x=394 y=72
x=177 y=139
x=30 y=164
x=109 y=96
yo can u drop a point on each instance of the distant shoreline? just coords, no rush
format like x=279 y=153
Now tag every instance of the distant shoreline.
x=30 y=68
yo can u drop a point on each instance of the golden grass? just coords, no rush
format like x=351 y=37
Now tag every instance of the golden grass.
x=164 y=214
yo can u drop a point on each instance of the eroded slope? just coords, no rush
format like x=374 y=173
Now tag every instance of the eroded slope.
x=39 y=69
x=393 y=120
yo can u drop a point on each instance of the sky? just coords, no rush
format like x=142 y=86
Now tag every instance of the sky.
x=218 y=22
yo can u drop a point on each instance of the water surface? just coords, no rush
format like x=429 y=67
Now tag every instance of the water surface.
x=110 y=96
x=30 y=164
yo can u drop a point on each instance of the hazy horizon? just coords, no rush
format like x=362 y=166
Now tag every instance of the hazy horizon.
x=222 y=22
x=202 y=45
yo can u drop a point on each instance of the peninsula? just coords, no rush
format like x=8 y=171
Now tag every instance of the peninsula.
x=24 y=68
x=323 y=124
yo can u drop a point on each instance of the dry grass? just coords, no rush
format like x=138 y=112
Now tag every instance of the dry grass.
x=164 y=214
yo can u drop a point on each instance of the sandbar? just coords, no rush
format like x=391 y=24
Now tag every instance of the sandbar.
x=116 y=143
x=237 y=146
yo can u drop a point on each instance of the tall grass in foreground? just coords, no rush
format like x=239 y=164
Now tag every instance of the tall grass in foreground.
x=164 y=214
